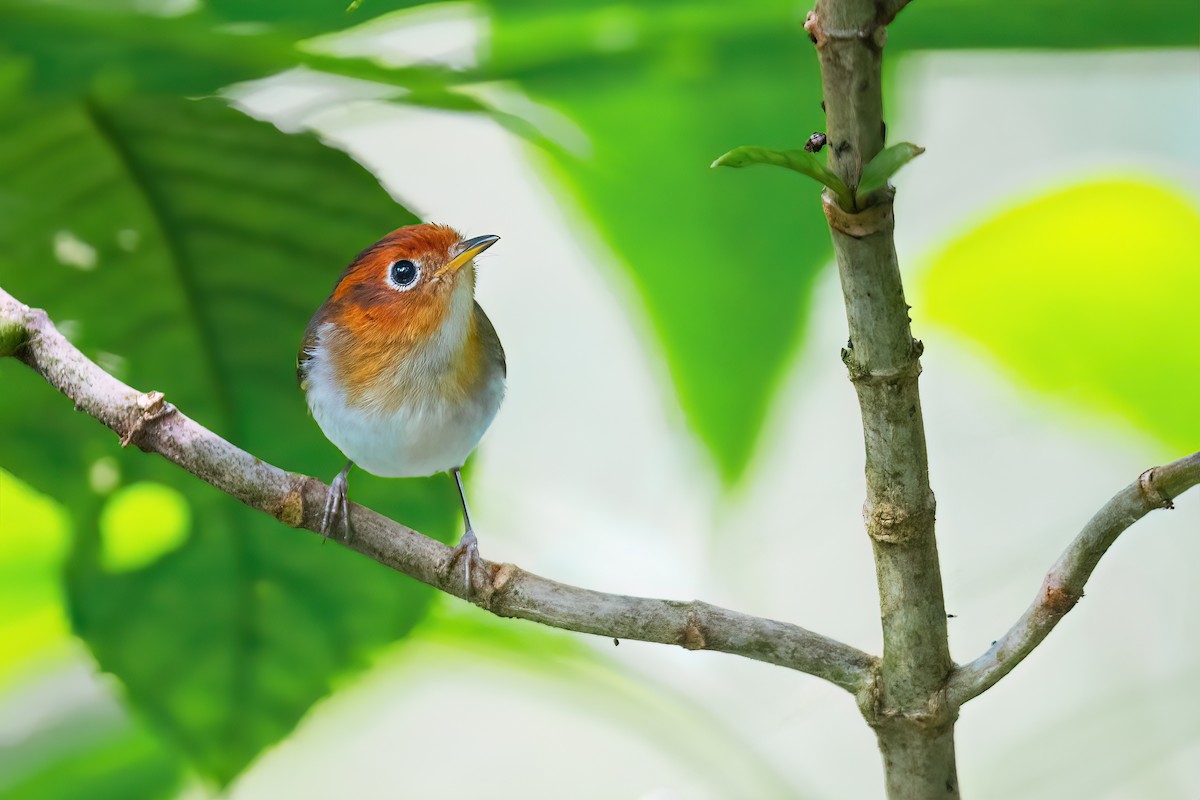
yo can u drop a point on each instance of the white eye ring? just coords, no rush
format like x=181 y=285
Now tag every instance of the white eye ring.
x=403 y=275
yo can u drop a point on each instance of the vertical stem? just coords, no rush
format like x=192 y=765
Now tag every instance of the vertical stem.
x=913 y=722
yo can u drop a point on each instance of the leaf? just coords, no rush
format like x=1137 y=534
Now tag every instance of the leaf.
x=884 y=165
x=115 y=49
x=77 y=755
x=957 y=25
x=1087 y=294
x=305 y=16
x=185 y=246
x=73 y=48
x=651 y=84
x=724 y=264
x=33 y=549
x=801 y=161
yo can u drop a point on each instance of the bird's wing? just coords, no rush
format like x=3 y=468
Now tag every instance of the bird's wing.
x=491 y=341
x=306 y=353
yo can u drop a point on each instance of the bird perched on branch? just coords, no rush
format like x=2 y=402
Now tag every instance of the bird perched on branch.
x=401 y=368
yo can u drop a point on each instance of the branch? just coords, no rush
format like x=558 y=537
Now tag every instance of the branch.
x=884 y=363
x=913 y=723
x=155 y=426
x=1063 y=586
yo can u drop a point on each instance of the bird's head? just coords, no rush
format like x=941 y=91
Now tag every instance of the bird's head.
x=410 y=284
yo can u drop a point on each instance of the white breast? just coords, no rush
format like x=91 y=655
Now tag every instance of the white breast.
x=421 y=437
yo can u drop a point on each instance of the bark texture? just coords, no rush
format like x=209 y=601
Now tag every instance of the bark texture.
x=910 y=715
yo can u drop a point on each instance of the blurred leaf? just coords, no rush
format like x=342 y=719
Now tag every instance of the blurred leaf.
x=33 y=548
x=96 y=761
x=1058 y=24
x=189 y=244
x=74 y=47
x=659 y=87
x=1089 y=294
x=884 y=165
x=801 y=161
x=305 y=16
x=140 y=524
x=724 y=263
x=115 y=49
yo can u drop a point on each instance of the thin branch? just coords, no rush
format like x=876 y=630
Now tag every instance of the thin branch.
x=155 y=426
x=1063 y=585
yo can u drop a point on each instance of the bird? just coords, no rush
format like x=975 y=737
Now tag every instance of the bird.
x=402 y=369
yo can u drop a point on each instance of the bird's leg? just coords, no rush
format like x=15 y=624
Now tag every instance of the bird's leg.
x=336 y=505
x=468 y=545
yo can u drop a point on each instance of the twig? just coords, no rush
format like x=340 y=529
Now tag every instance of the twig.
x=146 y=421
x=1063 y=585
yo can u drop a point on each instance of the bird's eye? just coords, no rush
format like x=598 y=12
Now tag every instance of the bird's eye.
x=404 y=274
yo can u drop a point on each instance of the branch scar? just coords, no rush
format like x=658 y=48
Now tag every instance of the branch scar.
x=1150 y=491
x=153 y=407
x=693 y=635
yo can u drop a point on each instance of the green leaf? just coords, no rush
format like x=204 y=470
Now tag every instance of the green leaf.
x=1058 y=24
x=305 y=16
x=116 y=49
x=185 y=245
x=75 y=48
x=724 y=265
x=801 y=161
x=1087 y=294
x=884 y=165
x=33 y=550
x=81 y=756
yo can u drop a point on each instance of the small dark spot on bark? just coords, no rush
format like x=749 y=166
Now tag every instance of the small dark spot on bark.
x=842 y=147
x=822 y=105
x=863 y=85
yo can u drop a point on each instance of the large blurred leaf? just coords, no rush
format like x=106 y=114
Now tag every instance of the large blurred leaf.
x=70 y=48
x=1090 y=294
x=189 y=244
x=724 y=262
x=79 y=756
x=305 y=16
x=1057 y=24
x=33 y=547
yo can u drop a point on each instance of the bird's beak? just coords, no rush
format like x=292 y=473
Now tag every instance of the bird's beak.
x=466 y=250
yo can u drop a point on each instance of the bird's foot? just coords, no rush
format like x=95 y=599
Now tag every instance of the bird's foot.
x=337 y=508
x=468 y=551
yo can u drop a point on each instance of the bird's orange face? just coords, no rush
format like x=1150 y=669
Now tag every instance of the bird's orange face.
x=412 y=292
x=403 y=286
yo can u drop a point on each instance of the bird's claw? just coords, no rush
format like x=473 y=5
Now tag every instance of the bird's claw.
x=337 y=506
x=468 y=546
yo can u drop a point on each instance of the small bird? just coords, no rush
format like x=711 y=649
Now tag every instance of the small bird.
x=401 y=368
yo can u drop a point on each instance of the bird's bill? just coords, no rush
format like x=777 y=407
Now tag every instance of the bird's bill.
x=468 y=249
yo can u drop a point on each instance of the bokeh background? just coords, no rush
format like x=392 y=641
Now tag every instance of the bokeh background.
x=180 y=183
